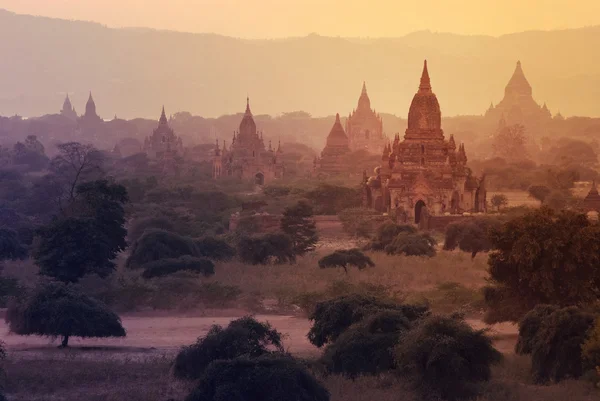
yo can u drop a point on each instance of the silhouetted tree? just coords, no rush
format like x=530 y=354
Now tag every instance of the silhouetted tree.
x=297 y=222
x=164 y=267
x=499 y=201
x=344 y=258
x=10 y=246
x=263 y=249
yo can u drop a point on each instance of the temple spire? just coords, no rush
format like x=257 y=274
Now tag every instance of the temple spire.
x=163 y=118
x=248 y=105
x=364 y=88
x=425 y=85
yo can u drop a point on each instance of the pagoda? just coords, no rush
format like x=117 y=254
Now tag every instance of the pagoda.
x=364 y=126
x=334 y=157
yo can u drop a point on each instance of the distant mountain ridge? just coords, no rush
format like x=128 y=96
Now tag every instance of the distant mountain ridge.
x=132 y=72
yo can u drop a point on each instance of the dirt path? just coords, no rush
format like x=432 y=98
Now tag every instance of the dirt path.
x=166 y=334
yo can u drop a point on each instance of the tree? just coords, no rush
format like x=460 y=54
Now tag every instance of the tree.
x=74 y=165
x=164 y=267
x=214 y=248
x=418 y=244
x=472 y=235
x=591 y=348
x=2 y=357
x=264 y=249
x=529 y=327
x=387 y=232
x=332 y=199
x=155 y=245
x=358 y=221
x=333 y=317
x=56 y=309
x=543 y=257
x=510 y=143
x=88 y=238
x=556 y=352
x=297 y=222
x=447 y=357
x=499 y=201
x=344 y=258
x=242 y=337
x=140 y=226
x=266 y=378
x=539 y=192
x=10 y=246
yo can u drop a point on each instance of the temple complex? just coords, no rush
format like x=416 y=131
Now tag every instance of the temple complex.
x=518 y=105
x=68 y=110
x=424 y=173
x=364 y=126
x=247 y=157
x=334 y=157
x=163 y=143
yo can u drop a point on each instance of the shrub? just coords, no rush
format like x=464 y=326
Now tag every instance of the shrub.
x=470 y=236
x=267 y=378
x=386 y=233
x=214 y=248
x=244 y=336
x=331 y=318
x=557 y=347
x=277 y=248
x=56 y=309
x=344 y=258
x=140 y=226
x=366 y=347
x=529 y=327
x=446 y=357
x=160 y=244
x=165 y=267
x=591 y=347
x=418 y=244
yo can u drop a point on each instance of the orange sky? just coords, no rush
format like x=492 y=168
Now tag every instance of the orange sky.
x=282 y=18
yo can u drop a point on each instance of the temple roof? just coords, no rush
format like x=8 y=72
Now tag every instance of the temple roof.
x=337 y=131
x=247 y=125
x=518 y=84
x=424 y=113
x=364 y=103
x=163 y=117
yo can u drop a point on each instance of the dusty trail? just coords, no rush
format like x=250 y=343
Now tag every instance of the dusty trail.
x=152 y=335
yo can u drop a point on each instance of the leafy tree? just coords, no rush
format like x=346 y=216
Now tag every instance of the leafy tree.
x=358 y=222
x=499 y=201
x=89 y=238
x=214 y=248
x=344 y=258
x=447 y=357
x=510 y=143
x=544 y=257
x=260 y=250
x=331 y=318
x=556 y=352
x=164 y=267
x=332 y=199
x=539 y=192
x=155 y=245
x=591 y=347
x=140 y=226
x=56 y=309
x=242 y=337
x=472 y=235
x=418 y=244
x=387 y=232
x=530 y=325
x=10 y=246
x=297 y=222
x=366 y=347
x=266 y=378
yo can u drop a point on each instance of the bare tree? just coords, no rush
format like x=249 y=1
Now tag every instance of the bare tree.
x=510 y=143
x=75 y=164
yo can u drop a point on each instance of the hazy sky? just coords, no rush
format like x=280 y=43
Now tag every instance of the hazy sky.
x=281 y=18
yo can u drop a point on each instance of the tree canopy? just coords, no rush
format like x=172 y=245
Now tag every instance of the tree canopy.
x=297 y=222
x=10 y=246
x=264 y=249
x=344 y=258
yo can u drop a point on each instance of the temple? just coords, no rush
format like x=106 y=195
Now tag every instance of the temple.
x=364 y=126
x=591 y=203
x=68 y=110
x=518 y=105
x=247 y=157
x=334 y=157
x=90 y=116
x=163 y=143
x=424 y=173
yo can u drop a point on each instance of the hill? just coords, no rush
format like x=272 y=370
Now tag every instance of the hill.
x=132 y=72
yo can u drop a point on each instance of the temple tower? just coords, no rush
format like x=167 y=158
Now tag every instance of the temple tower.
x=364 y=126
x=68 y=110
x=333 y=157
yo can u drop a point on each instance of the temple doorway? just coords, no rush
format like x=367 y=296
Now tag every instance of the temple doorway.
x=259 y=179
x=418 y=210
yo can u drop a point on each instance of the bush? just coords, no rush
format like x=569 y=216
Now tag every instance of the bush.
x=471 y=236
x=9 y=287
x=242 y=337
x=55 y=309
x=418 y=244
x=386 y=233
x=277 y=248
x=214 y=248
x=331 y=318
x=140 y=226
x=557 y=347
x=529 y=327
x=164 y=267
x=591 y=347
x=160 y=244
x=446 y=357
x=366 y=347
x=10 y=247
x=344 y=258
x=267 y=378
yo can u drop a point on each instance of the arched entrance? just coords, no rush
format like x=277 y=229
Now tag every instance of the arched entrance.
x=418 y=210
x=259 y=179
